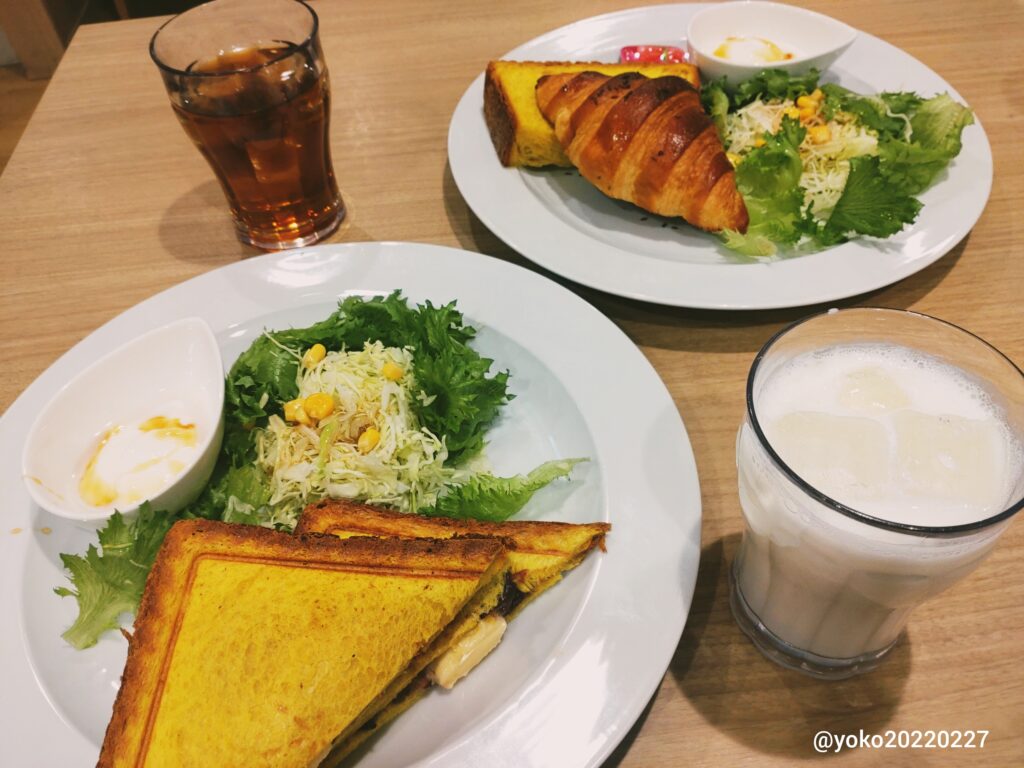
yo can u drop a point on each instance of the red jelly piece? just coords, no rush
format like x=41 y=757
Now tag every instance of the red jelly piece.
x=652 y=54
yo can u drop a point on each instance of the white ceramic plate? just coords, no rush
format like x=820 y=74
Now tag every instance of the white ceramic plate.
x=561 y=222
x=574 y=671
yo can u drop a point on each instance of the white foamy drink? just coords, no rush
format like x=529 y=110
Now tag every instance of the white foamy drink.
x=891 y=433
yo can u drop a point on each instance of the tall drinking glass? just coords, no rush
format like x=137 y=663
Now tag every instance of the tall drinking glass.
x=248 y=82
x=881 y=457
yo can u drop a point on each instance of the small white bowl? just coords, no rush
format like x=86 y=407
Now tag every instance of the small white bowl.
x=173 y=372
x=815 y=40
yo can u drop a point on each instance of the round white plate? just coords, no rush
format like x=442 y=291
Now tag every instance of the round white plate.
x=574 y=670
x=560 y=221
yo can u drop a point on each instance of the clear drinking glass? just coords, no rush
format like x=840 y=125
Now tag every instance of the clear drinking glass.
x=248 y=82
x=826 y=588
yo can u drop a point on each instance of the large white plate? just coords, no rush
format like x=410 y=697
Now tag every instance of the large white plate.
x=561 y=222
x=574 y=671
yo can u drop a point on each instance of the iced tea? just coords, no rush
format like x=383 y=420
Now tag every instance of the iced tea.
x=259 y=112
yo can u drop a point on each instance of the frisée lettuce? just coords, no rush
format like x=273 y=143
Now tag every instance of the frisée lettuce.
x=382 y=402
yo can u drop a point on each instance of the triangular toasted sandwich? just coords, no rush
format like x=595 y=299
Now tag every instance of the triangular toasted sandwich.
x=539 y=553
x=258 y=648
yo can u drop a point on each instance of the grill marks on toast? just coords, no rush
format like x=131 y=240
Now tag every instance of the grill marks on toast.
x=478 y=565
x=466 y=562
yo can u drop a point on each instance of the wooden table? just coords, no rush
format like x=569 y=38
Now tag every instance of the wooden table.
x=105 y=203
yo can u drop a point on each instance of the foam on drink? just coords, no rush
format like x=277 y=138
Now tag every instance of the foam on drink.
x=891 y=432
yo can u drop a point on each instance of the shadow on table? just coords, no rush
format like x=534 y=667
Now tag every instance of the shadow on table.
x=654 y=325
x=197 y=227
x=770 y=709
x=651 y=325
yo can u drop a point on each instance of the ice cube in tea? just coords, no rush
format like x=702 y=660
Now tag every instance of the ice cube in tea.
x=260 y=116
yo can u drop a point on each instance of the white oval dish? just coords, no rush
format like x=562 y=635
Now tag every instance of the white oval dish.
x=815 y=40
x=174 y=372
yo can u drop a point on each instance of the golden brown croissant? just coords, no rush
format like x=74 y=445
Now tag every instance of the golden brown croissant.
x=646 y=141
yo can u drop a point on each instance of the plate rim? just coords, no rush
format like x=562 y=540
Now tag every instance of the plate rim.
x=521 y=234
x=410 y=257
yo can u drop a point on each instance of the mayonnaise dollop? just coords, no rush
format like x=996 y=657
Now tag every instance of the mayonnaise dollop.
x=136 y=461
x=751 y=50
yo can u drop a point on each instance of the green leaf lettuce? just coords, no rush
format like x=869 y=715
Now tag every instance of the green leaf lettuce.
x=108 y=581
x=486 y=497
x=868 y=205
x=769 y=180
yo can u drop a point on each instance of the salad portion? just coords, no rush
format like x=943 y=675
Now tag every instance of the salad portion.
x=818 y=164
x=351 y=433
x=381 y=402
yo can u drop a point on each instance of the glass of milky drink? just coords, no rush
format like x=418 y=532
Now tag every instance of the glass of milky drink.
x=881 y=458
x=248 y=83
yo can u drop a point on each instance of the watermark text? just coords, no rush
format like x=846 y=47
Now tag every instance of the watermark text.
x=826 y=741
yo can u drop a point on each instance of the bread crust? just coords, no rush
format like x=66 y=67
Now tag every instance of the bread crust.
x=499 y=116
x=518 y=132
x=542 y=550
x=528 y=536
x=169 y=583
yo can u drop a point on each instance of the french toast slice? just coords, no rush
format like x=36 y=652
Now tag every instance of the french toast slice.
x=521 y=135
x=255 y=647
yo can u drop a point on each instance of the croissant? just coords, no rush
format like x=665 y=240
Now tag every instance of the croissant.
x=646 y=141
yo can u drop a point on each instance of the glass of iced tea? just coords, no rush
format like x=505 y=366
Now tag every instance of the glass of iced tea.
x=881 y=458
x=248 y=82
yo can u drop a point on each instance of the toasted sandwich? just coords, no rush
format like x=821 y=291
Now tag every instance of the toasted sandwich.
x=539 y=553
x=258 y=648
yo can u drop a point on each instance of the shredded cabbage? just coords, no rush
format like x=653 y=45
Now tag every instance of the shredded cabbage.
x=826 y=165
x=310 y=462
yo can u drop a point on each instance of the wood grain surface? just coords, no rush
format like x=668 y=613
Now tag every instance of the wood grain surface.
x=105 y=203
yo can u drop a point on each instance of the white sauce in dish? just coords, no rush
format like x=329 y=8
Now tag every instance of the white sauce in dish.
x=751 y=50
x=133 y=462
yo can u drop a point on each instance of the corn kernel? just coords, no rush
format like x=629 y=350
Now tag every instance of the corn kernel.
x=820 y=133
x=733 y=158
x=807 y=114
x=295 y=413
x=807 y=101
x=791 y=112
x=318 y=406
x=314 y=355
x=759 y=142
x=818 y=95
x=392 y=371
x=368 y=440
